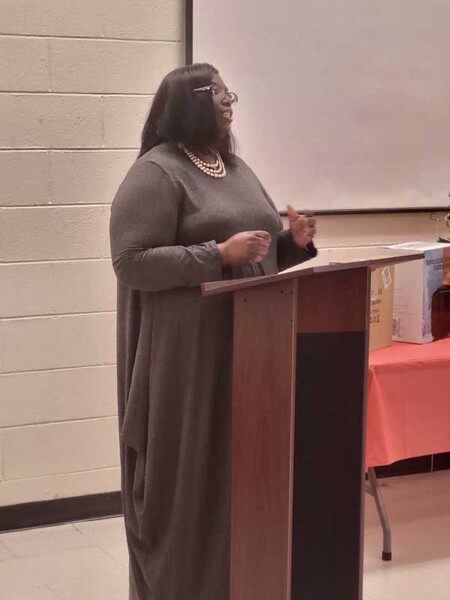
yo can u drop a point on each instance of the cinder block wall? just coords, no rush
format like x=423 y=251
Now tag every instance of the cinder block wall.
x=76 y=81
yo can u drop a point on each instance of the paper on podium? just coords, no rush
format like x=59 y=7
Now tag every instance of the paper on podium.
x=368 y=255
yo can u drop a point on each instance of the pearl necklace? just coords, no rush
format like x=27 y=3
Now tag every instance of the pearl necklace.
x=216 y=169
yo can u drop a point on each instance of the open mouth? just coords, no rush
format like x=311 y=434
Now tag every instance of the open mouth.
x=228 y=115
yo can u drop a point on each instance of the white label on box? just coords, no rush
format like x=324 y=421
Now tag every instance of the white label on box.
x=387 y=279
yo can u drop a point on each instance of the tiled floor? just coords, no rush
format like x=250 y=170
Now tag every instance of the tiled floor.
x=419 y=510
x=88 y=560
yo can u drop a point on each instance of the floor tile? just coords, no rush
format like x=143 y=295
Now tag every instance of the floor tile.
x=92 y=588
x=103 y=531
x=117 y=551
x=35 y=593
x=16 y=577
x=68 y=565
x=109 y=535
x=44 y=540
x=5 y=554
x=428 y=581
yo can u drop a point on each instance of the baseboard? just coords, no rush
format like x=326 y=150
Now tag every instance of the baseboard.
x=418 y=464
x=62 y=510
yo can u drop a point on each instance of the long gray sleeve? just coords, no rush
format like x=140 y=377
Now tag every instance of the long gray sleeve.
x=143 y=232
x=289 y=254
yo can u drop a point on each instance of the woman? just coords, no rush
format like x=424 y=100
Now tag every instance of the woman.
x=188 y=211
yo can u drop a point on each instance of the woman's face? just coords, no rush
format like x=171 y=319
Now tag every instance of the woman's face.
x=222 y=106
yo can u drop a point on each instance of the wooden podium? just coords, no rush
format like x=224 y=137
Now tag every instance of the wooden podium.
x=298 y=433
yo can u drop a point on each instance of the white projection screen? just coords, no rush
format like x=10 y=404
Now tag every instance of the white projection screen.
x=343 y=104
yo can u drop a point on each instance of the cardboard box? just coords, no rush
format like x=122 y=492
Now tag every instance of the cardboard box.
x=415 y=284
x=381 y=307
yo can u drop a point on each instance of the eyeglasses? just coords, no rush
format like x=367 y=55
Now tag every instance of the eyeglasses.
x=230 y=97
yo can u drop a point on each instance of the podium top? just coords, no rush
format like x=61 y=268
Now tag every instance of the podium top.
x=333 y=259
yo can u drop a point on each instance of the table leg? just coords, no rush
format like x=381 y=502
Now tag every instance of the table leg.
x=374 y=490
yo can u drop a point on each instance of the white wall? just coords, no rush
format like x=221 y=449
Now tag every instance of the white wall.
x=374 y=229
x=76 y=81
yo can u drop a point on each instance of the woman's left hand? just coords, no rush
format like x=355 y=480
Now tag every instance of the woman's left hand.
x=302 y=226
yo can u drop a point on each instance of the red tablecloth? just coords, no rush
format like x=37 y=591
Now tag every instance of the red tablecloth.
x=408 y=402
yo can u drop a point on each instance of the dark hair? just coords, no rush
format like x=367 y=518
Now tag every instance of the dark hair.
x=180 y=115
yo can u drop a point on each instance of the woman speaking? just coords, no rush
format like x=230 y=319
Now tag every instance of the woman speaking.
x=187 y=212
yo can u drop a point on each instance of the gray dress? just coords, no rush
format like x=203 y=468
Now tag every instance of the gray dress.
x=174 y=363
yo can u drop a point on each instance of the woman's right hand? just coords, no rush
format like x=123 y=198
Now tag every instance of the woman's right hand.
x=245 y=247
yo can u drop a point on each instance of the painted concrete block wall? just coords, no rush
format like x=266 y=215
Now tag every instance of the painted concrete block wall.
x=76 y=82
